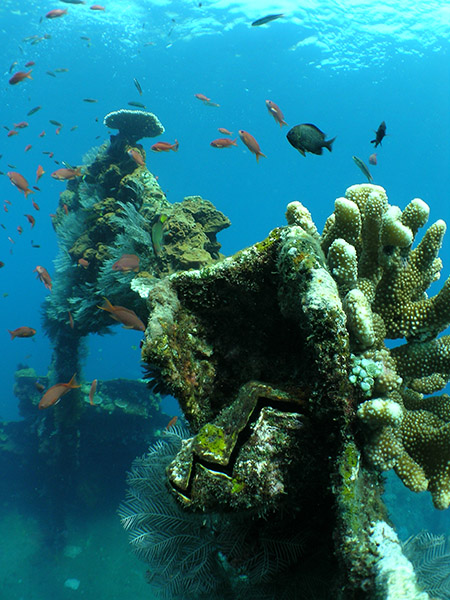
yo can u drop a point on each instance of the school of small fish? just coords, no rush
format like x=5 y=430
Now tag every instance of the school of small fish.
x=305 y=137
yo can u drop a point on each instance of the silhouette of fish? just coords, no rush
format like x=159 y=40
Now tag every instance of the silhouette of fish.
x=379 y=134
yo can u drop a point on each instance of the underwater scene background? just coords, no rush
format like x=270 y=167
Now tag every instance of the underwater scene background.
x=343 y=66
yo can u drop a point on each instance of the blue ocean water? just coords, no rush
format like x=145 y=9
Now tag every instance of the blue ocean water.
x=343 y=66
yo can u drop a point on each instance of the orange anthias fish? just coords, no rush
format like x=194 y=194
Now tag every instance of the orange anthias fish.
x=40 y=171
x=20 y=76
x=223 y=143
x=22 y=332
x=12 y=132
x=57 y=12
x=136 y=156
x=127 y=262
x=20 y=182
x=43 y=276
x=224 y=131
x=92 y=392
x=165 y=146
x=66 y=174
x=20 y=125
x=251 y=143
x=97 y=7
x=54 y=394
x=202 y=97
x=127 y=317
x=276 y=113
x=171 y=423
x=31 y=220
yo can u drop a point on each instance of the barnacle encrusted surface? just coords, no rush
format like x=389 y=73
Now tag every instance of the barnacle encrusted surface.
x=134 y=125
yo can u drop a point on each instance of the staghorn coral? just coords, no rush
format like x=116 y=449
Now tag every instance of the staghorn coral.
x=293 y=330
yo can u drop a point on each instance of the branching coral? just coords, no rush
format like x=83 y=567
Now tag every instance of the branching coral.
x=389 y=301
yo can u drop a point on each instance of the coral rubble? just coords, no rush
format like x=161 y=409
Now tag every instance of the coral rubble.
x=278 y=357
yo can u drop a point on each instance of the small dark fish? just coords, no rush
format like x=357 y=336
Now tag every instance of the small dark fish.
x=91 y=100
x=265 y=20
x=85 y=37
x=33 y=245
x=62 y=70
x=379 y=134
x=362 y=165
x=73 y=1
x=137 y=104
x=138 y=86
x=50 y=73
x=74 y=127
x=308 y=138
x=33 y=110
x=55 y=123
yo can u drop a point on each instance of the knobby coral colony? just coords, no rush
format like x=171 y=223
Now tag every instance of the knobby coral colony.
x=278 y=358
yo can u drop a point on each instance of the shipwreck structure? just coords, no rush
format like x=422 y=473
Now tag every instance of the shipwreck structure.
x=278 y=358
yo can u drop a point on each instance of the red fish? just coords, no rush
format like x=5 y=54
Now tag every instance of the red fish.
x=20 y=182
x=202 y=97
x=136 y=156
x=56 y=12
x=223 y=143
x=71 y=323
x=30 y=63
x=42 y=275
x=28 y=147
x=2 y=264
x=82 y=262
x=42 y=134
x=224 y=131
x=127 y=317
x=20 y=125
x=251 y=143
x=39 y=172
x=373 y=159
x=66 y=174
x=54 y=394
x=5 y=208
x=127 y=262
x=31 y=220
x=172 y=422
x=276 y=113
x=22 y=332
x=165 y=146
x=19 y=230
x=20 y=76
x=35 y=206
x=97 y=7
x=92 y=392
x=12 y=132
x=65 y=209
x=58 y=130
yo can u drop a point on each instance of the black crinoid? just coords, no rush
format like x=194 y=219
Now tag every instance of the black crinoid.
x=195 y=556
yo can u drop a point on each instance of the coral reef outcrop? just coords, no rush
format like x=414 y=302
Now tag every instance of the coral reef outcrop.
x=279 y=359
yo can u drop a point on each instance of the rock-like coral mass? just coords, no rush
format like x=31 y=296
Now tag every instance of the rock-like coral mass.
x=278 y=357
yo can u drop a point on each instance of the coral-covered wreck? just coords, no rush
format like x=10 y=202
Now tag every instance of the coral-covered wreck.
x=279 y=360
